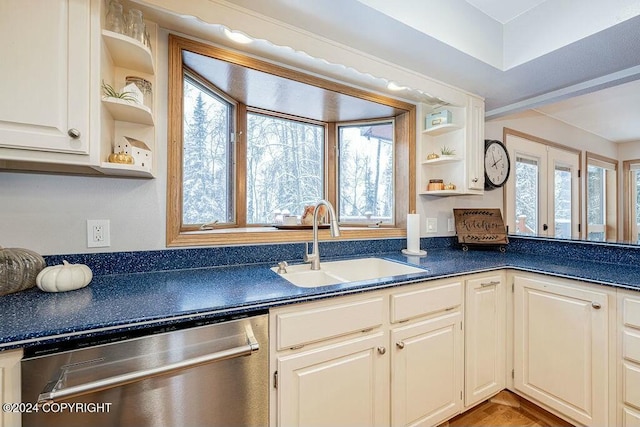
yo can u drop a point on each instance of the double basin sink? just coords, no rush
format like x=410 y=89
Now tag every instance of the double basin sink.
x=351 y=270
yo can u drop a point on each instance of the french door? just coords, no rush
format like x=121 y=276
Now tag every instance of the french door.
x=542 y=198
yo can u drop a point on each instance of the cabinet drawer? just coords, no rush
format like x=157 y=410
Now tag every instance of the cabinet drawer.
x=631 y=312
x=324 y=322
x=631 y=346
x=407 y=305
x=631 y=381
x=630 y=418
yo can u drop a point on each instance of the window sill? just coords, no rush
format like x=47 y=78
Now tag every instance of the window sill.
x=251 y=235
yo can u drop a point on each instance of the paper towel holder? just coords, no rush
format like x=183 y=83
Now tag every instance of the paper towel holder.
x=413 y=253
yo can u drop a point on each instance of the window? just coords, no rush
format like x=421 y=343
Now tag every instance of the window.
x=526 y=196
x=249 y=140
x=285 y=166
x=602 y=195
x=631 y=172
x=366 y=175
x=207 y=159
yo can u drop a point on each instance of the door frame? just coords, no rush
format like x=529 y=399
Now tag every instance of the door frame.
x=506 y=132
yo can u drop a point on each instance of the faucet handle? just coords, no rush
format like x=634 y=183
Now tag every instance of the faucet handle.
x=282 y=267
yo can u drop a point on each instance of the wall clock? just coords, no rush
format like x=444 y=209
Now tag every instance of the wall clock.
x=496 y=164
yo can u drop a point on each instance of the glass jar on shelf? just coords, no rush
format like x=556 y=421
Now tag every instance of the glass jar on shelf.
x=114 y=20
x=145 y=88
x=135 y=25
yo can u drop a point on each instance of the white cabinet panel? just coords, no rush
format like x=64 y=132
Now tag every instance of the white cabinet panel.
x=345 y=384
x=10 y=386
x=46 y=76
x=426 y=367
x=485 y=333
x=561 y=348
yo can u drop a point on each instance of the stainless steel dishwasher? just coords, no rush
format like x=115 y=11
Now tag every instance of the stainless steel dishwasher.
x=209 y=375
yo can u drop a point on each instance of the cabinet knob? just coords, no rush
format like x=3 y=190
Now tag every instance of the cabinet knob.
x=475 y=180
x=73 y=133
x=400 y=345
x=382 y=350
x=596 y=305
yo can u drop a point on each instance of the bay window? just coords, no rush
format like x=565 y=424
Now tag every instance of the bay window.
x=250 y=140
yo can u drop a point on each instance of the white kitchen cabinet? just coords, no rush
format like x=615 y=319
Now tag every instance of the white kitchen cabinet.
x=10 y=386
x=45 y=78
x=426 y=367
x=484 y=338
x=561 y=342
x=628 y=359
x=330 y=363
x=475 y=145
x=343 y=384
x=465 y=135
x=52 y=115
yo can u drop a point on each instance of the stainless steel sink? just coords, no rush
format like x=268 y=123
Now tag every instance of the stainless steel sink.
x=352 y=270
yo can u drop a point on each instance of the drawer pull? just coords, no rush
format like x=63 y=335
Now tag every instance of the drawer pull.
x=491 y=283
x=596 y=305
x=382 y=350
x=400 y=345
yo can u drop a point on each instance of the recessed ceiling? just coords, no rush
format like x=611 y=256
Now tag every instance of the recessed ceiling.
x=612 y=113
x=517 y=54
x=504 y=11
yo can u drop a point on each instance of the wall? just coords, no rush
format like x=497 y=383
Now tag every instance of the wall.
x=48 y=213
x=542 y=126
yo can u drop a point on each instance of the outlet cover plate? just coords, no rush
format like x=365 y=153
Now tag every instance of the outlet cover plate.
x=432 y=225
x=98 y=233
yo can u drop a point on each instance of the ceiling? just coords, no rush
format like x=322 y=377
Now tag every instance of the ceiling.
x=263 y=90
x=577 y=61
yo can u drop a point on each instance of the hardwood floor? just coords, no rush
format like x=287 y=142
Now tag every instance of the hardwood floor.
x=506 y=409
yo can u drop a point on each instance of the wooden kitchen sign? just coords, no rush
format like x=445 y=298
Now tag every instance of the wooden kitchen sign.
x=480 y=227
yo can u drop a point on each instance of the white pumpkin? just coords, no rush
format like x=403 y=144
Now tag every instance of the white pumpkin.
x=65 y=277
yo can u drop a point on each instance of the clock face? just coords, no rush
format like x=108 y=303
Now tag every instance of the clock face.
x=496 y=164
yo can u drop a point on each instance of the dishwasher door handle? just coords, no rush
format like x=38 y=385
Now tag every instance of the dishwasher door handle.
x=55 y=390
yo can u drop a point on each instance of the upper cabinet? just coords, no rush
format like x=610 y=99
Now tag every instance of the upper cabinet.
x=45 y=80
x=54 y=115
x=450 y=149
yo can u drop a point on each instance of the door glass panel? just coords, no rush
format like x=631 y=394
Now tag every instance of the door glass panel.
x=635 y=205
x=596 y=199
x=527 y=175
x=562 y=202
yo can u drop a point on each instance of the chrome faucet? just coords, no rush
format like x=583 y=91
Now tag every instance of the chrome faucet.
x=314 y=256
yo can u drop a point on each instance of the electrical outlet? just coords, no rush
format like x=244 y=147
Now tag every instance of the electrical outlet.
x=432 y=225
x=98 y=233
x=451 y=225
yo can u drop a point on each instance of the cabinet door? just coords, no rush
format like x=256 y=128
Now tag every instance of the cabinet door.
x=45 y=77
x=345 y=384
x=561 y=342
x=475 y=144
x=426 y=371
x=10 y=386
x=485 y=329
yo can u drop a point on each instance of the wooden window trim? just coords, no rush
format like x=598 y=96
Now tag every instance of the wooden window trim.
x=405 y=149
x=628 y=217
x=611 y=210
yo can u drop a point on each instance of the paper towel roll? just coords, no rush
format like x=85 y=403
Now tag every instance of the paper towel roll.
x=413 y=233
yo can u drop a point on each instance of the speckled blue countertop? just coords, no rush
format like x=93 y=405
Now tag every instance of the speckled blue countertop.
x=175 y=290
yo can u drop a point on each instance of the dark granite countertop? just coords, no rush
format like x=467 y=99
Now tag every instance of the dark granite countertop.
x=116 y=302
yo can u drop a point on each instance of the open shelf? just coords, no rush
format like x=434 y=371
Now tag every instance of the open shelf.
x=124 y=170
x=441 y=129
x=442 y=160
x=127 y=52
x=128 y=112
x=441 y=193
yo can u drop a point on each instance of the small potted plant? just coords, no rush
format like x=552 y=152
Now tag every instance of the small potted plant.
x=447 y=152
